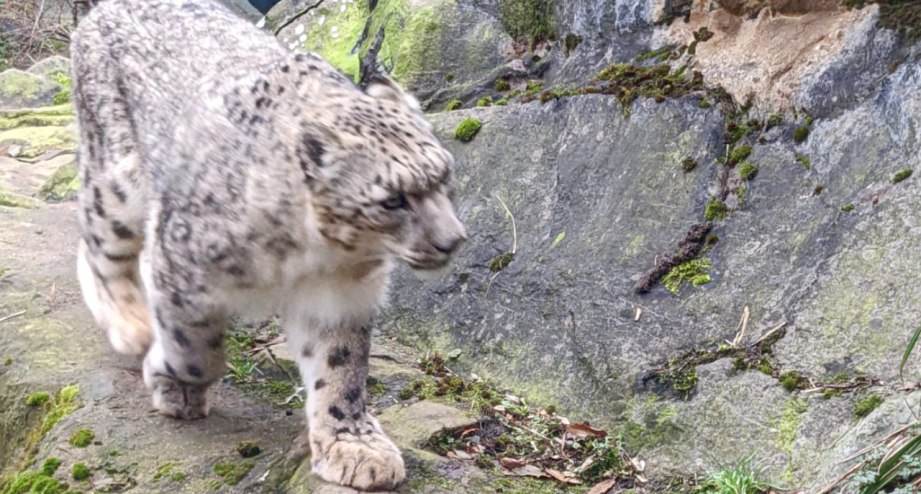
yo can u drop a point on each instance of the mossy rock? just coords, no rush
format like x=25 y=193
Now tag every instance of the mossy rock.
x=20 y=89
x=13 y=200
x=51 y=66
x=63 y=185
x=425 y=40
x=38 y=140
x=49 y=116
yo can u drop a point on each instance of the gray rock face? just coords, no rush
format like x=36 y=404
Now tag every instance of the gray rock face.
x=596 y=197
x=19 y=89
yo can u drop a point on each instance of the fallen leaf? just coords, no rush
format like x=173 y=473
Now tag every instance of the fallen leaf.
x=638 y=464
x=468 y=431
x=566 y=477
x=584 y=430
x=459 y=454
x=603 y=487
x=525 y=471
x=511 y=463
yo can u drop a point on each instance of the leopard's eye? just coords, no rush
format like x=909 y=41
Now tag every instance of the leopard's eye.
x=395 y=202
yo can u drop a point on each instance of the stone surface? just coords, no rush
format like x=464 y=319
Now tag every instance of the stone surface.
x=51 y=66
x=412 y=425
x=23 y=89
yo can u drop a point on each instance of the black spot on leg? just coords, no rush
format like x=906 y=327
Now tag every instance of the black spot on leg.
x=215 y=343
x=194 y=371
x=343 y=430
x=121 y=231
x=373 y=473
x=176 y=299
x=307 y=351
x=338 y=356
x=336 y=413
x=181 y=338
x=353 y=395
x=356 y=416
x=97 y=202
x=170 y=370
x=320 y=384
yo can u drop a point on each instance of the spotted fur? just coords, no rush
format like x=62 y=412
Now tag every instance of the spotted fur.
x=224 y=175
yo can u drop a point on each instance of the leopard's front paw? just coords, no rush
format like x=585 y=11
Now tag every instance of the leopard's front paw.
x=367 y=462
x=183 y=401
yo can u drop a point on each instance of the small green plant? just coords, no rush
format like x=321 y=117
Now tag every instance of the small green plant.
x=80 y=471
x=865 y=405
x=739 y=154
x=773 y=120
x=695 y=271
x=901 y=175
x=791 y=381
x=847 y=208
x=688 y=164
x=502 y=102
x=37 y=399
x=715 y=210
x=747 y=170
x=742 y=478
x=528 y=20
x=82 y=438
x=233 y=473
x=50 y=466
x=248 y=449
x=454 y=104
x=803 y=160
x=801 y=134
x=484 y=102
x=63 y=95
x=467 y=130
x=501 y=85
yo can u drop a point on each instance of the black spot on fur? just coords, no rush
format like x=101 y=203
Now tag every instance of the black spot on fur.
x=176 y=299
x=356 y=416
x=119 y=257
x=320 y=384
x=181 y=339
x=170 y=370
x=307 y=351
x=97 y=202
x=343 y=430
x=336 y=413
x=353 y=395
x=118 y=191
x=194 y=371
x=121 y=231
x=215 y=343
x=338 y=356
x=373 y=473
x=285 y=68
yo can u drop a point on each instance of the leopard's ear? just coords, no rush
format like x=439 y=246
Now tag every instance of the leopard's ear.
x=380 y=86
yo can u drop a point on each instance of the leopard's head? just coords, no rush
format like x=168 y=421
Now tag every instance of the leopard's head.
x=382 y=180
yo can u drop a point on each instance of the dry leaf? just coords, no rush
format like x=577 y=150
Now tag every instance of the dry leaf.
x=603 y=487
x=567 y=477
x=459 y=455
x=511 y=463
x=584 y=430
x=468 y=431
x=525 y=471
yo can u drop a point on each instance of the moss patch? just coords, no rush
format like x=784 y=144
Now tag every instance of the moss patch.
x=865 y=405
x=38 y=140
x=248 y=449
x=169 y=470
x=50 y=466
x=715 y=210
x=467 y=130
x=37 y=399
x=454 y=104
x=63 y=185
x=500 y=262
x=484 y=102
x=788 y=425
x=233 y=473
x=738 y=154
x=901 y=175
x=627 y=82
x=801 y=134
x=80 y=471
x=688 y=164
x=695 y=272
x=528 y=20
x=63 y=94
x=747 y=170
x=82 y=438
x=847 y=208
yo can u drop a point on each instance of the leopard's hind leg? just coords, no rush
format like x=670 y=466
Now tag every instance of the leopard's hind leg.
x=112 y=198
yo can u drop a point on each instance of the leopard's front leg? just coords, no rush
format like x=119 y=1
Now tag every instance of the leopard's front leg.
x=347 y=444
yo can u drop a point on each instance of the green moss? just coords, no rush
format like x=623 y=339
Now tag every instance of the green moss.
x=739 y=154
x=233 y=473
x=375 y=387
x=865 y=405
x=715 y=210
x=801 y=134
x=34 y=483
x=704 y=103
x=63 y=94
x=7 y=361
x=901 y=175
x=788 y=425
x=82 y=438
x=627 y=82
x=502 y=102
x=167 y=470
x=177 y=476
x=63 y=185
x=687 y=272
x=80 y=471
x=533 y=87
x=528 y=20
x=803 y=160
x=688 y=164
x=747 y=170
x=791 y=381
x=467 y=130
x=570 y=42
x=661 y=53
x=63 y=403
x=765 y=367
x=847 y=208
x=829 y=393
x=248 y=449
x=501 y=85
x=500 y=262
x=50 y=466
x=773 y=120
x=454 y=104
x=484 y=102
x=38 y=140
x=37 y=399
x=11 y=200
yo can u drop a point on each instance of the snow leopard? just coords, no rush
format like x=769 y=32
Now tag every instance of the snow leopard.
x=222 y=175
